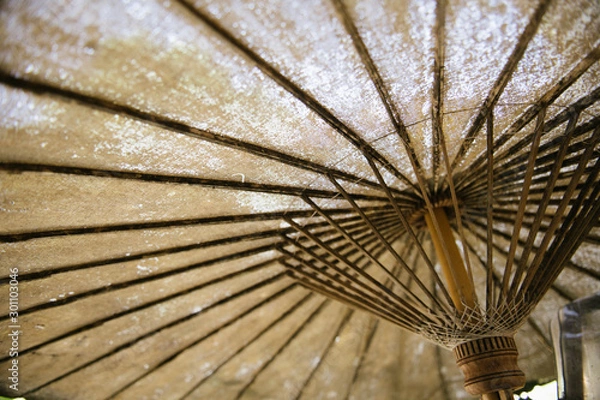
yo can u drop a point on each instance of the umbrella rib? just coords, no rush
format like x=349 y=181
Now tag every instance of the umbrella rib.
x=577 y=223
x=384 y=219
x=350 y=300
x=384 y=95
x=409 y=253
x=496 y=277
x=347 y=285
x=567 y=226
x=438 y=359
x=437 y=101
x=508 y=188
x=471 y=179
x=131 y=343
x=232 y=219
x=502 y=80
x=546 y=160
x=514 y=154
x=328 y=348
x=555 y=201
x=334 y=240
x=391 y=250
x=592 y=239
x=369 y=340
x=554 y=287
x=140 y=281
x=473 y=172
x=187 y=180
x=490 y=210
x=361 y=359
x=157 y=253
x=337 y=226
x=141 y=307
x=263 y=366
x=414 y=239
x=367 y=240
x=281 y=318
x=150 y=254
x=548 y=149
x=409 y=307
x=342 y=231
x=562 y=293
x=180 y=128
x=543 y=204
x=356 y=228
x=296 y=91
x=548 y=98
x=489 y=268
x=509 y=218
x=366 y=302
x=551 y=95
x=511 y=192
x=585 y=223
x=519 y=217
x=480 y=222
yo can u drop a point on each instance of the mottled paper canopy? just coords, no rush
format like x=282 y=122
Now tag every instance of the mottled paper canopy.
x=225 y=199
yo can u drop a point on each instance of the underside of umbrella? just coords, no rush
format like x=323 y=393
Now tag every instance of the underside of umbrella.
x=263 y=199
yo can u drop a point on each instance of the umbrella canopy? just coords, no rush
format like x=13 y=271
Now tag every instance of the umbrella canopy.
x=242 y=199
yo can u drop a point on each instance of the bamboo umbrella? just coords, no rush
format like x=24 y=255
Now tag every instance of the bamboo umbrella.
x=251 y=199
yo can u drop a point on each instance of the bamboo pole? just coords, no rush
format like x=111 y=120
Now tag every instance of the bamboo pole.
x=506 y=394
x=459 y=285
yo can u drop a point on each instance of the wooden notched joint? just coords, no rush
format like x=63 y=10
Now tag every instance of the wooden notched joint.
x=489 y=365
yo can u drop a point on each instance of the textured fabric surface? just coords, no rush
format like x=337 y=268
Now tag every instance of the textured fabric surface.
x=225 y=199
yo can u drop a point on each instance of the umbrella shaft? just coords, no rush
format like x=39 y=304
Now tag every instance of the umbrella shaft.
x=501 y=395
x=459 y=285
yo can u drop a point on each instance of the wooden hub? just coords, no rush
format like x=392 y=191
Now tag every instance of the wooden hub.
x=489 y=365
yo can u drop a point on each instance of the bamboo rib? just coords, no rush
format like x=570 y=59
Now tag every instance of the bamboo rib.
x=503 y=79
x=559 y=158
x=437 y=103
x=417 y=306
x=287 y=84
x=558 y=230
x=524 y=195
x=351 y=282
x=490 y=209
x=413 y=237
x=552 y=94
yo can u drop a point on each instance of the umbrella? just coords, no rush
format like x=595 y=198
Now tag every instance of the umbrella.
x=252 y=199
